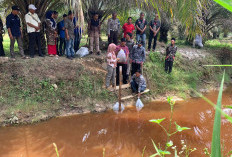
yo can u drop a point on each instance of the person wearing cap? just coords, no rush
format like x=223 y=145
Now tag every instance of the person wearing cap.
x=141 y=25
x=15 y=31
x=94 y=32
x=137 y=57
x=170 y=56
x=2 y=53
x=33 y=30
x=123 y=47
x=51 y=33
x=70 y=36
x=138 y=83
x=61 y=32
x=154 y=30
x=113 y=29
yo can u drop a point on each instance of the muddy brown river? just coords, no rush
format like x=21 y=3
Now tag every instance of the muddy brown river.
x=121 y=135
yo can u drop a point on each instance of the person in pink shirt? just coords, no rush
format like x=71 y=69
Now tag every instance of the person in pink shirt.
x=111 y=66
x=123 y=47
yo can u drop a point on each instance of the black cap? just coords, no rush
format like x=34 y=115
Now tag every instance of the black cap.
x=65 y=15
x=70 y=12
x=139 y=42
x=123 y=40
x=173 y=39
x=15 y=7
x=55 y=12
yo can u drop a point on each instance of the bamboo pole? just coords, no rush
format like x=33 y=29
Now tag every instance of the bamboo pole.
x=120 y=88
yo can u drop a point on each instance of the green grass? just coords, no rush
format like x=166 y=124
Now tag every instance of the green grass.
x=186 y=75
x=218 y=44
x=29 y=94
x=6 y=45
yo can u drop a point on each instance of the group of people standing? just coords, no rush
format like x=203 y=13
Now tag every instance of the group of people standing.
x=66 y=33
x=134 y=52
x=113 y=29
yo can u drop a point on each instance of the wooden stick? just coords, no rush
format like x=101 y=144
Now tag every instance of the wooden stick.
x=120 y=88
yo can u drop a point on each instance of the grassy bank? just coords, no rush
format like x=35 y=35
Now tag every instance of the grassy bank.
x=186 y=75
x=48 y=87
x=37 y=89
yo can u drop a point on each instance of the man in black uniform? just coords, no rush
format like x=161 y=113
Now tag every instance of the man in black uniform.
x=170 y=56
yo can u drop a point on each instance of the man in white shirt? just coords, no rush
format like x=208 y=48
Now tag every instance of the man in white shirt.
x=33 y=30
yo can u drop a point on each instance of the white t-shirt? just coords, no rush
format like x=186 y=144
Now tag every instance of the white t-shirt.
x=32 y=19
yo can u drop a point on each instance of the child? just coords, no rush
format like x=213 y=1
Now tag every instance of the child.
x=111 y=66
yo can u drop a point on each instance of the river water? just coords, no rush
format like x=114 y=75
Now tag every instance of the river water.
x=121 y=135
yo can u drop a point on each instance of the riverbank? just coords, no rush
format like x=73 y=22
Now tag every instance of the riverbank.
x=38 y=89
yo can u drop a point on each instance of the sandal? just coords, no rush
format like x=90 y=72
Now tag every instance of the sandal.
x=51 y=55
x=25 y=57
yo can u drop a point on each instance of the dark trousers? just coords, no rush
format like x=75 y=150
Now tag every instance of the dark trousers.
x=168 y=66
x=77 y=42
x=62 y=46
x=134 y=68
x=57 y=45
x=2 y=52
x=124 y=70
x=151 y=37
x=135 y=87
x=34 y=38
x=113 y=37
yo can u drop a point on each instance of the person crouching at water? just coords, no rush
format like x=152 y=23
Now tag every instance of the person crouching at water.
x=111 y=66
x=51 y=34
x=138 y=83
x=170 y=56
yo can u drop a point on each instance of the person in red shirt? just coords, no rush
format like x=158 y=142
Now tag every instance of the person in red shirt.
x=128 y=27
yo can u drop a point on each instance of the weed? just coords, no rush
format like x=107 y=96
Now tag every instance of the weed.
x=169 y=144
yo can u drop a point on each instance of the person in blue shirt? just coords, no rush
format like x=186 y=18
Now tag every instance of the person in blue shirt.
x=15 y=31
x=61 y=31
x=77 y=33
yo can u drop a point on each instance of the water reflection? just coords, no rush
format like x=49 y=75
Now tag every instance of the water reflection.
x=122 y=135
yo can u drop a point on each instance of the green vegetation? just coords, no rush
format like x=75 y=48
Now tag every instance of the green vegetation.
x=163 y=152
x=186 y=74
x=216 y=140
x=49 y=89
x=56 y=149
x=6 y=45
x=218 y=44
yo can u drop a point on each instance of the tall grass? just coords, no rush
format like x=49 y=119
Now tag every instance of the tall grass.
x=216 y=141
